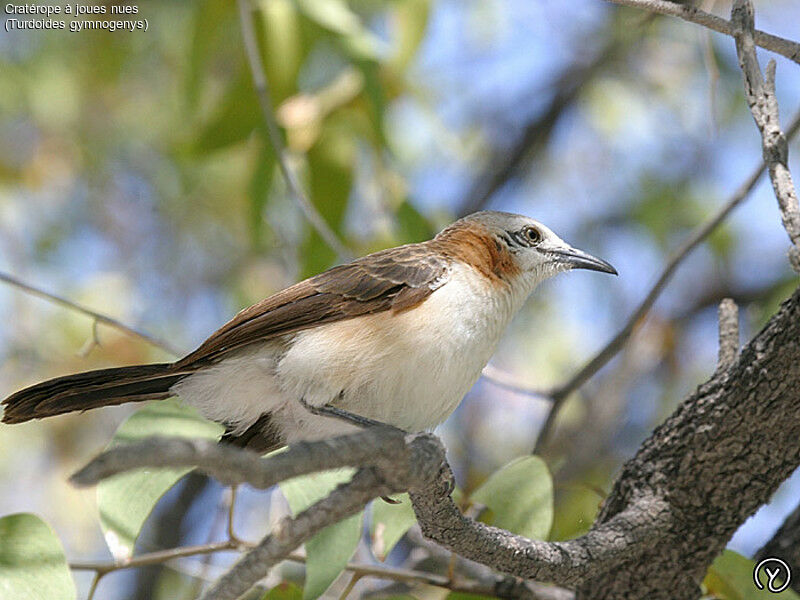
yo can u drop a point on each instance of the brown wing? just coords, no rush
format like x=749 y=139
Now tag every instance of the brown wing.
x=394 y=279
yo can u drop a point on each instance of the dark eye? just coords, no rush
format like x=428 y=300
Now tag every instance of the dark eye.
x=532 y=235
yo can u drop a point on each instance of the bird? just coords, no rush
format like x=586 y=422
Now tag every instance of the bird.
x=397 y=337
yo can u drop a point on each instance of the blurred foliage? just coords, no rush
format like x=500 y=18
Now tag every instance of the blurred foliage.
x=32 y=561
x=136 y=177
x=329 y=550
x=731 y=578
x=125 y=501
x=519 y=497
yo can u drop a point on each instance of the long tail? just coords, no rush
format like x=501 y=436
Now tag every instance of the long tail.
x=93 y=389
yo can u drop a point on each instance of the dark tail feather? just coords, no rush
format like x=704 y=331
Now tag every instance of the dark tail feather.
x=261 y=437
x=93 y=389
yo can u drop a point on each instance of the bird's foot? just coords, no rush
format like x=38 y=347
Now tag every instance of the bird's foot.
x=344 y=415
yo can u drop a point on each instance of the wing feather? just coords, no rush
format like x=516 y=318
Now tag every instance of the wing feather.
x=396 y=279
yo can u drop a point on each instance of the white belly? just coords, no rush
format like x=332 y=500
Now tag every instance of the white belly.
x=409 y=369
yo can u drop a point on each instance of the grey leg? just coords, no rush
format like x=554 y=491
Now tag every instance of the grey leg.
x=343 y=415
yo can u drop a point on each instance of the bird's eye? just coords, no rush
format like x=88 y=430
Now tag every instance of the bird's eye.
x=532 y=235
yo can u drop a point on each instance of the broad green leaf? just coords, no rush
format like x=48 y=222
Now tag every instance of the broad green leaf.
x=126 y=500
x=284 y=591
x=327 y=552
x=520 y=496
x=730 y=577
x=390 y=523
x=32 y=561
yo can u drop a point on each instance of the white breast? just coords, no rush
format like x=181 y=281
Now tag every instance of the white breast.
x=409 y=369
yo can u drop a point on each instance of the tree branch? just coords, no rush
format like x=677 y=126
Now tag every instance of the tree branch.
x=605 y=354
x=700 y=475
x=785 y=544
x=720 y=456
x=784 y=47
x=98 y=317
x=728 y=333
x=345 y=501
x=763 y=105
x=262 y=89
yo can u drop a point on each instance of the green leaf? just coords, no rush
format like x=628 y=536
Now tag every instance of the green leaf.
x=234 y=119
x=327 y=552
x=284 y=591
x=331 y=161
x=465 y=596
x=730 y=577
x=412 y=225
x=520 y=496
x=410 y=21
x=260 y=186
x=284 y=47
x=335 y=16
x=209 y=21
x=390 y=523
x=32 y=561
x=126 y=500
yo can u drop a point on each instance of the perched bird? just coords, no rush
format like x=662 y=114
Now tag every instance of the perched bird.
x=398 y=336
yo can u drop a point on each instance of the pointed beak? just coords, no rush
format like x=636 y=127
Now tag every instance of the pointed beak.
x=578 y=259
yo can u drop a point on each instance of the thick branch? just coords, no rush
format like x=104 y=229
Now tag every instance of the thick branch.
x=719 y=457
x=565 y=563
x=687 y=12
x=231 y=466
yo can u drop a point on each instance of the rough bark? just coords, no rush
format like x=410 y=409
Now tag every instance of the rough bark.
x=719 y=457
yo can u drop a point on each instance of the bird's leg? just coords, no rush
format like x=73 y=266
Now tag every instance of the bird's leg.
x=345 y=415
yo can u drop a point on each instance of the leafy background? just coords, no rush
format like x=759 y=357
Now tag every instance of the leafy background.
x=135 y=177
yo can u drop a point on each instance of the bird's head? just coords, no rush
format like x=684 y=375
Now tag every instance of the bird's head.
x=512 y=246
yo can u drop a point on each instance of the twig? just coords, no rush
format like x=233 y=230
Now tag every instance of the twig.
x=728 y=333
x=350 y=585
x=346 y=500
x=93 y=588
x=507 y=381
x=262 y=89
x=599 y=360
x=158 y=557
x=763 y=105
x=98 y=317
x=487 y=585
x=779 y=45
x=532 y=140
